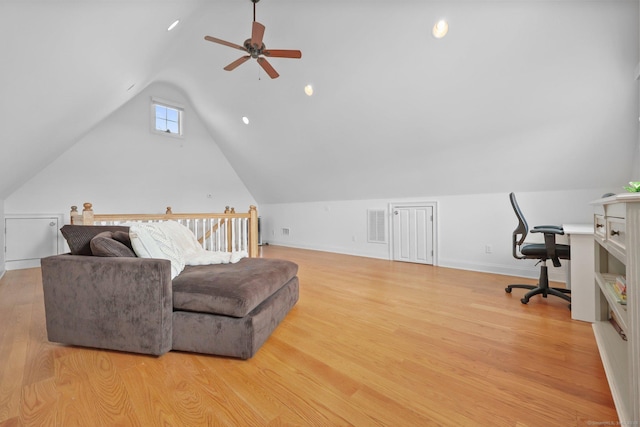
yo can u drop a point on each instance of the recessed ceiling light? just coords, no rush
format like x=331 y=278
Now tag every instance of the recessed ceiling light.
x=440 y=29
x=172 y=26
x=245 y=120
x=308 y=89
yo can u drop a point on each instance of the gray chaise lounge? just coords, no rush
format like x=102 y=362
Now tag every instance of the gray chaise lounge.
x=131 y=304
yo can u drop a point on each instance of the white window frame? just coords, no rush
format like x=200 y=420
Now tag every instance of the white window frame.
x=167 y=104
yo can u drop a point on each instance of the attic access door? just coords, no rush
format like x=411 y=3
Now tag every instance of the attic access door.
x=414 y=233
x=28 y=238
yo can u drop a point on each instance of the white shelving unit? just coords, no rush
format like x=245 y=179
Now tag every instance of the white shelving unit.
x=617 y=253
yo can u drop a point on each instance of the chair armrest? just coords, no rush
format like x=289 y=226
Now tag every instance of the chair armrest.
x=548 y=229
x=116 y=303
x=550 y=242
x=559 y=227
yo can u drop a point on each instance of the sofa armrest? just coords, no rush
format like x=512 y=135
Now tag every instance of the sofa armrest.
x=115 y=303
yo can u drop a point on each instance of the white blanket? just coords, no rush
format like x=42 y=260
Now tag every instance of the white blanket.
x=175 y=242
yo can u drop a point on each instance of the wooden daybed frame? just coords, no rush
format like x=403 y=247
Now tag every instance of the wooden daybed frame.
x=228 y=232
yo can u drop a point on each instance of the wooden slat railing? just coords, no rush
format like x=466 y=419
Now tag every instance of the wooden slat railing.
x=229 y=231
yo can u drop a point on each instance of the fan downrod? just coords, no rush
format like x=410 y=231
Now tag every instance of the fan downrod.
x=254 y=9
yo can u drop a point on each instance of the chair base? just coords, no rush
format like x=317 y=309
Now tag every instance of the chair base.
x=542 y=288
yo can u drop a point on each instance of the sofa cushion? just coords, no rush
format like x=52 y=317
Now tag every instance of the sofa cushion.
x=230 y=289
x=79 y=236
x=105 y=244
x=122 y=237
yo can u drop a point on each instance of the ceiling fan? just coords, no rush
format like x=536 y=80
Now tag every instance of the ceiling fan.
x=256 y=48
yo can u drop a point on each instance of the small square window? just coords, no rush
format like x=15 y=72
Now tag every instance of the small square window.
x=166 y=118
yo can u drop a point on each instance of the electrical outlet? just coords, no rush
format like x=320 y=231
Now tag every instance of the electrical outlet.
x=487 y=249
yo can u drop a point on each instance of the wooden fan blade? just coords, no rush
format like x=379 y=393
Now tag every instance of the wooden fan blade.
x=237 y=62
x=280 y=53
x=226 y=43
x=257 y=33
x=268 y=68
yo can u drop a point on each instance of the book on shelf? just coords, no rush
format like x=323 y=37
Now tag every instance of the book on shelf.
x=620 y=288
x=618 y=285
x=621 y=284
x=614 y=322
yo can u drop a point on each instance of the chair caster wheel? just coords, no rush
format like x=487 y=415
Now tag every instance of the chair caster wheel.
x=524 y=300
x=507 y=290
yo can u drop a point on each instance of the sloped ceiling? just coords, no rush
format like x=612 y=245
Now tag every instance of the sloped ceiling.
x=519 y=95
x=66 y=65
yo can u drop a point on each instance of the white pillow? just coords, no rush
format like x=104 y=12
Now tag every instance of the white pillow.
x=154 y=240
x=183 y=238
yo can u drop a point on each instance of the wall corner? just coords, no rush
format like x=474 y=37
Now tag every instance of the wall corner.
x=2 y=251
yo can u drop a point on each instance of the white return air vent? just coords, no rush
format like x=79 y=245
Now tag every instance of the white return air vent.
x=376 y=226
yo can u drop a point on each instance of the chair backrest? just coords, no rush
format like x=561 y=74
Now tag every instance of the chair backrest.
x=521 y=231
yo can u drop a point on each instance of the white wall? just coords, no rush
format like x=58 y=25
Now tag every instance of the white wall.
x=120 y=166
x=636 y=159
x=2 y=260
x=466 y=224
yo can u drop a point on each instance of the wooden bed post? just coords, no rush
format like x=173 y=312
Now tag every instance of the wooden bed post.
x=253 y=231
x=87 y=214
x=86 y=218
x=74 y=215
x=228 y=230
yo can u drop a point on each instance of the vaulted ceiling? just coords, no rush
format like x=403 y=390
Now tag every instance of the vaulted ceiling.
x=527 y=95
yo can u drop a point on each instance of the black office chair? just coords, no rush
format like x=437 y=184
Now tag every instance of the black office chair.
x=541 y=251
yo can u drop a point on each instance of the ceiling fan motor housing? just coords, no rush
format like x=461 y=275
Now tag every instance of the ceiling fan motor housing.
x=252 y=49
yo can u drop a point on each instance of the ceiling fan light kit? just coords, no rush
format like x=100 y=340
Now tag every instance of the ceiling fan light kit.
x=255 y=48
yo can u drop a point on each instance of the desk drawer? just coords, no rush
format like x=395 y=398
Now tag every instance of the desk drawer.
x=618 y=210
x=616 y=232
x=599 y=226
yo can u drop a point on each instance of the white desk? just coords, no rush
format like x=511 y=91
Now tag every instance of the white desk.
x=580 y=276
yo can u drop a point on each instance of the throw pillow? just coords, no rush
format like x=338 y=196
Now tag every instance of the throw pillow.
x=104 y=244
x=151 y=240
x=79 y=236
x=123 y=237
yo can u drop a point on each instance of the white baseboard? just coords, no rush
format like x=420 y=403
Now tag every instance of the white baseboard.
x=555 y=274
x=20 y=264
x=336 y=250
x=532 y=272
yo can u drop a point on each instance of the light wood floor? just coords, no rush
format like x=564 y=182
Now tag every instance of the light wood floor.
x=370 y=343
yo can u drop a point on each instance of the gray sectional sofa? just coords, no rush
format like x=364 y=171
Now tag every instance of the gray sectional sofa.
x=118 y=301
